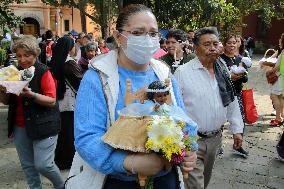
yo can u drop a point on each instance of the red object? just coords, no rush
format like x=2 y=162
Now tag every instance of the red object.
x=49 y=49
x=251 y=114
x=104 y=50
x=159 y=53
x=48 y=88
x=275 y=123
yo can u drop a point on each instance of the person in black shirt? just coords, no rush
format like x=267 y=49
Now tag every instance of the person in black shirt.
x=229 y=57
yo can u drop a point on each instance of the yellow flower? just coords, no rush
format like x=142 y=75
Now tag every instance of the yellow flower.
x=165 y=136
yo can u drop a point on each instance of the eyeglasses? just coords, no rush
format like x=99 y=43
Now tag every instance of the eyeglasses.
x=142 y=33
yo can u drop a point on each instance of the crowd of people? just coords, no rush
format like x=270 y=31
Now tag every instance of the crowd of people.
x=79 y=87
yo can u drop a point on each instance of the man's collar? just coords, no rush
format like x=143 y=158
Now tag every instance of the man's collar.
x=197 y=64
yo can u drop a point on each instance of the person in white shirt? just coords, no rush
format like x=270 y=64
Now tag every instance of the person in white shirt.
x=210 y=101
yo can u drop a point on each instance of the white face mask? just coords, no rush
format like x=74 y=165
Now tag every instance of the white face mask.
x=140 y=49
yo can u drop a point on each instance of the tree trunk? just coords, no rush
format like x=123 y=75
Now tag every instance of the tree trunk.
x=82 y=8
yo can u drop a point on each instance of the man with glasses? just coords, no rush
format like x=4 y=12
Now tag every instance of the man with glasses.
x=176 y=56
x=210 y=101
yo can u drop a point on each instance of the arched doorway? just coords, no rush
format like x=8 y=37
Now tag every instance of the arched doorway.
x=31 y=27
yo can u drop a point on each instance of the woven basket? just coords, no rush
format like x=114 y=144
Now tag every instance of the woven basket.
x=267 y=61
x=128 y=133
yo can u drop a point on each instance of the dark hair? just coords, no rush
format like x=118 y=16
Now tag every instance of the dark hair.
x=162 y=41
x=242 y=47
x=88 y=37
x=203 y=31
x=59 y=56
x=156 y=85
x=43 y=37
x=282 y=43
x=48 y=34
x=88 y=47
x=81 y=35
x=228 y=37
x=110 y=39
x=127 y=12
x=177 y=34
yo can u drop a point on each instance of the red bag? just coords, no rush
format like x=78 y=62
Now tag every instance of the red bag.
x=251 y=115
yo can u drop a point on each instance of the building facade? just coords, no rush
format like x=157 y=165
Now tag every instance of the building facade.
x=256 y=28
x=39 y=17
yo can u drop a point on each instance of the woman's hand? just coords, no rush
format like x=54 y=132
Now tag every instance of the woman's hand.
x=145 y=164
x=27 y=92
x=235 y=77
x=38 y=98
x=189 y=162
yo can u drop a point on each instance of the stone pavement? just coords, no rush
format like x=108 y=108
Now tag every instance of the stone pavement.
x=261 y=170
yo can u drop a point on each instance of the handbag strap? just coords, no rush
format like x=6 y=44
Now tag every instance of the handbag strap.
x=69 y=85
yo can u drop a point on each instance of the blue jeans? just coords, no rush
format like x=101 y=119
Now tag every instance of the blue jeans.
x=37 y=157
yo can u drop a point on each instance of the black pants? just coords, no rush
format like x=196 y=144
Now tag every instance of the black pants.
x=280 y=146
x=65 y=149
x=169 y=181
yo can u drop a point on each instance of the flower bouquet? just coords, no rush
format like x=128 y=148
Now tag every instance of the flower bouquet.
x=15 y=80
x=141 y=129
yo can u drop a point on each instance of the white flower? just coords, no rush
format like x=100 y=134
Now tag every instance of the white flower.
x=164 y=128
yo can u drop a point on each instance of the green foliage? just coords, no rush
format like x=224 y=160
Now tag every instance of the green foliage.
x=270 y=9
x=105 y=13
x=8 y=19
x=184 y=14
x=193 y=14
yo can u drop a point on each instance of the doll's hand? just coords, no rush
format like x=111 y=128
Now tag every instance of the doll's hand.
x=156 y=107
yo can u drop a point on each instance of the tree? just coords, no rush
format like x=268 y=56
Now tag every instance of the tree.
x=8 y=19
x=224 y=14
x=79 y=4
x=101 y=12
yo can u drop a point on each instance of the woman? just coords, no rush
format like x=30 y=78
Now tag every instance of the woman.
x=68 y=75
x=276 y=93
x=34 y=119
x=105 y=84
x=88 y=52
x=230 y=58
x=102 y=47
x=241 y=50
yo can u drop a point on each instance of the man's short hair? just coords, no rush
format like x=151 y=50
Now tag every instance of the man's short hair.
x=177 y=34
x=203 y=31
x=88 y=37
x=48 y=34
x=81 y=35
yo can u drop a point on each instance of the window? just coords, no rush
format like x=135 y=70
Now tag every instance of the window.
x=66 y=25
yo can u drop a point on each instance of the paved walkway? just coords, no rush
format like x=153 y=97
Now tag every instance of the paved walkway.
x=260 y=171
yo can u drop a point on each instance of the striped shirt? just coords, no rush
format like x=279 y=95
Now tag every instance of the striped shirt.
x=202 y=99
